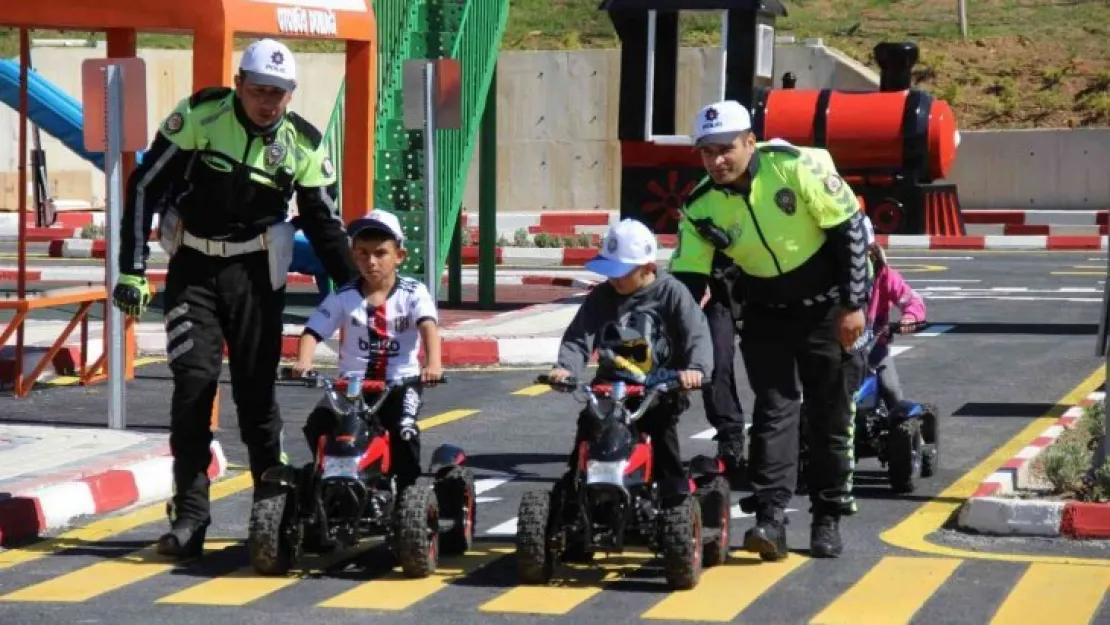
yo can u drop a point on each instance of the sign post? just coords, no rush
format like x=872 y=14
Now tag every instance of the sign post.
x=432 y=101
x=109 y=88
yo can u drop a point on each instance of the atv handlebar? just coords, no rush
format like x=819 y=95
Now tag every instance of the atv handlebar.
x=668 y=382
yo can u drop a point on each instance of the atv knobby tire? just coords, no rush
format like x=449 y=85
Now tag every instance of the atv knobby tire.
x=904 y=455
x=456 y=496
x=680 y=544
x=716 y=512
x=417 y=531
x=534 y=562
x=272 y=552
x=930 y=434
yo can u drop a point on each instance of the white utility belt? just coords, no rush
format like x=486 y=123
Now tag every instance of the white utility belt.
x=277 y=242
x=213 y=247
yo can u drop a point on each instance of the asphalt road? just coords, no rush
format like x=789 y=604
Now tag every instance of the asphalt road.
x=993 y=361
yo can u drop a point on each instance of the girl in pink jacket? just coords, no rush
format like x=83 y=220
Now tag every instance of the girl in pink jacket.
x=891 y=289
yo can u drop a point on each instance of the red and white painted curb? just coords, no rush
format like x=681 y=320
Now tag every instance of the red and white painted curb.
x=578 y=256
x=989 y=511
x=95 y=275
x=1035 y=217
x=27 y=514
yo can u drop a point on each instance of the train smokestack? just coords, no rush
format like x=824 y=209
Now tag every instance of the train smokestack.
x=896 y=60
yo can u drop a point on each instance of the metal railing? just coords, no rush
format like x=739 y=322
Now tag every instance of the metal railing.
x=475 y=42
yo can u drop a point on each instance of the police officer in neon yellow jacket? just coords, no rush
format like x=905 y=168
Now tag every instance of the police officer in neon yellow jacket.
x=795 y=230
x=224 y=166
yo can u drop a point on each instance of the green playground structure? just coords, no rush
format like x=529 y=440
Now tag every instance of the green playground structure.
x=469 y=31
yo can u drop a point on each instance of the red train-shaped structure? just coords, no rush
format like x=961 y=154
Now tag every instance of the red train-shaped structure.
x=894 y=146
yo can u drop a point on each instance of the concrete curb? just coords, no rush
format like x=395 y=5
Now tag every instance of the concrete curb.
x=577 y=256
x=26 y=515
x=988 y=511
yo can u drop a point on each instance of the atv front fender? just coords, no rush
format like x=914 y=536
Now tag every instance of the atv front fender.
x=282 y=475
x=446 y=456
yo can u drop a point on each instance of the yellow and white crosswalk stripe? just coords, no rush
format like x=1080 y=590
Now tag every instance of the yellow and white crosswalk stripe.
x=893 y=590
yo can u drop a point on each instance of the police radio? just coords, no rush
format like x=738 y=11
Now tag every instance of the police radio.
x=711 y=232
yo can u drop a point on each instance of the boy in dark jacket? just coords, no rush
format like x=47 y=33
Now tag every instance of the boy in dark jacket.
x=654 y=323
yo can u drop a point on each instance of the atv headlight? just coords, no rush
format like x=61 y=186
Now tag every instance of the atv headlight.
x=341 y=466
x=602 y=472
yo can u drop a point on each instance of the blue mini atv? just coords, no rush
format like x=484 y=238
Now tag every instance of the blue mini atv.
x=904 y=438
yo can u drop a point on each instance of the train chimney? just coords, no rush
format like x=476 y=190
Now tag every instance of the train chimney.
x=896 y=60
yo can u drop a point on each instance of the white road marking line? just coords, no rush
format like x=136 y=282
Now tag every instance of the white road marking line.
x=930 y=258
x=488 y=484
x=508 y=528
x=706 y=434
x=1018 y=299
x=737 y=513
x=934 y=330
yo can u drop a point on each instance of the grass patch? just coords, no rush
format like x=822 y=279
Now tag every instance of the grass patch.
x=1026 y=63
x=1066 y=464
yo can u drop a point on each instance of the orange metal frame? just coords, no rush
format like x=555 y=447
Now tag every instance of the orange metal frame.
x=213 y=24
x=84 y=296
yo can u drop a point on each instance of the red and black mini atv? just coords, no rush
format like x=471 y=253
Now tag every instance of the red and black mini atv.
x=348 y=493
x=611 y=499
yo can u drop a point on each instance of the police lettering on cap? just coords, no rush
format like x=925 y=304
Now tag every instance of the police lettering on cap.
x=380 y=220
x=721 y=123
x=626 y=246
x=269 y=62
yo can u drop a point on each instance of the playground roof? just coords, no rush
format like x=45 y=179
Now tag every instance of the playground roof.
x=316 y=19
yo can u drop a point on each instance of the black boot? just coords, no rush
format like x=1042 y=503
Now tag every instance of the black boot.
x=824 y=536
x=731 y=450
x=768 y=537
x=185 y=539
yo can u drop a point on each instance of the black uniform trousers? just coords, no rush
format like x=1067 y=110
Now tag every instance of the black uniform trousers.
x=660 y=423
x=776 y=343
x=722 y=403
x=404 y=456
x=210 y=300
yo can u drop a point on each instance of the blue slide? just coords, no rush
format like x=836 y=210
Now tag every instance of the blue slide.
x=60 y=116
x=50 y=108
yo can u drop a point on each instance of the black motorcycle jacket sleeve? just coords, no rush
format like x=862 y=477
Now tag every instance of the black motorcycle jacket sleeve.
x=162 y=164
x=318 y=216
x=851 y=253
x=835 y=208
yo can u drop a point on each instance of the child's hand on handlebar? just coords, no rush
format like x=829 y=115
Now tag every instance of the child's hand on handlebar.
x=431 y=375
x=302 y=367
x=558 y=375
x=907 y=325
x=690 y=378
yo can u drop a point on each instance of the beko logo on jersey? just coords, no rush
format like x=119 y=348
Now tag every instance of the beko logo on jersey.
x=376 y=345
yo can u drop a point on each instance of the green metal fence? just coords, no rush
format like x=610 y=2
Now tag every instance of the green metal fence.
x=467 y=30
x=476 y=47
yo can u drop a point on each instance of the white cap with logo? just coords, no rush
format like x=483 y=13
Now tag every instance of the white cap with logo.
x=626 y=246
x=269 y=62
x=720 y=123
x=380 y=220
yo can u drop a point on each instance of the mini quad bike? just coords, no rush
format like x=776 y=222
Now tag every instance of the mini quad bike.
x=611 y=500
x=904 y=438
x=348 y=493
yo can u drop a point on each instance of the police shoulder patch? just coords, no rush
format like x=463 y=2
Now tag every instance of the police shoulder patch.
x=833 y=184
x=174 y=123
x=327 y=168
x=786 y=200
